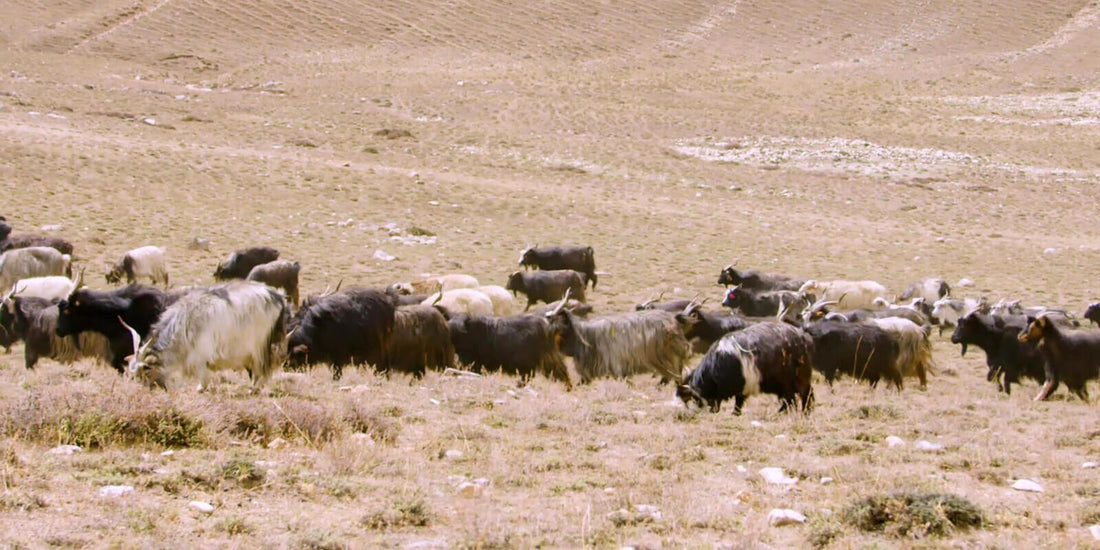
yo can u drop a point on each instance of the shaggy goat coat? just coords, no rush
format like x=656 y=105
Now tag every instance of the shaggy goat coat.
x=773 y=358
x=236 y=325
x=623 y=344
x=34 y=320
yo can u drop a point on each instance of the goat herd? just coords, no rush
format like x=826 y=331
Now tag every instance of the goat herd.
x=773 y=332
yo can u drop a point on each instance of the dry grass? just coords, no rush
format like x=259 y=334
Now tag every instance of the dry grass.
x=835 y=140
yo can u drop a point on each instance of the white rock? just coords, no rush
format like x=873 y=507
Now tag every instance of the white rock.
x=65 y=450
x=115 y=490
x=453 y=454
x=826 y=480
x=781 y=436
x=775 y=476
x=150 y=121
x=646 y=512
x=482 y=481
x=742 y=469
x=421 y=544
x=964 y=282
x=609 y=490
x=928 y=446
x=384 y=257
x=754 y=423
x=1050 y=251
x=1027 y=485
x=432 y=401
x=785 y=516
x=169 y=452
x=204 y=507
x=895 y=441
x=1095 y=530
x=51 y=227
x=1088 y=465
x=470 y=490
x=277 y=443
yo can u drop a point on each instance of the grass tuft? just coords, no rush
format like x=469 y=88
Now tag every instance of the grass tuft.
x=914 y=515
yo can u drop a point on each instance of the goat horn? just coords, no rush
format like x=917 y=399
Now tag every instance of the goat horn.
x=438 y=297
x=79 y=279
x=137 y=345
x=561 y=305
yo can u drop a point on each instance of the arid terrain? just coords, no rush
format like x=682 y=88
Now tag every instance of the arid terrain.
x=859 y=139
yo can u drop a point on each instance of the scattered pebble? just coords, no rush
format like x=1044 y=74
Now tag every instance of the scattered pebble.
x=742 y=469
x=384 y=257
x=453 y=454
x=928 y=446
x=756 y=424
x=826 y=480
x=1050 y=251
x=779 y=517
x=1088 y=465
x=775 y=476
x=964 y=282
x=1027 y=485
x=1095 y=530
x=150 y=121
x=432 y=401
x=169 y=452
x=470 y=490
x=204 y=507
x=781 y=436
x=65 y=450
x=895 y=441
x=609 y=490
x=51 y=227
x=421 y=544
x=115 y=490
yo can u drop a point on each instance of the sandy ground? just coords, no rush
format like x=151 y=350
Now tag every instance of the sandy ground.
x=828 y=140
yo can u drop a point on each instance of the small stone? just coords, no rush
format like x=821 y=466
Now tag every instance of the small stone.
x=277 y=443
x=150 y=121
x=964 y=282
x=1088 y=465
x=65 y=450
x=434 y=401
x=781 y=436
x=1050 y=251
x=204 y=507
x=609 y=490
x=453 y=454
x=1027 y=485
x=199 y=243
x=927 y=446
x=51 y=227
x=383 y=256
x=756 y=424
x=895 y=441
x=742 y=469
x=482 y=481
x=470 y=490
x=1095 y=530
x=646 y=512
x=115 y=490
x=422 y=544
x=826 y=480
x=779 y=517
x=775 y=476
x=169 y=452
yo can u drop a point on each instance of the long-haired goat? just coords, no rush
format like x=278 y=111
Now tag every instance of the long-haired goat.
x=233 y=326
x=774 y=358
x=34 y=320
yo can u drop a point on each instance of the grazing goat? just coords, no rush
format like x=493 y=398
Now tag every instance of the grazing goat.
x=773 y=358
x=432 y=285
x=460 y=300
x=703 y=327
x=848 y=294
x=580 y=309
x=28 y=240
x=233 y=326
x=503 y=302
x=147 y=261
x=756 y=280
x=946 y=311
x=88 y=310
x=353 y=326
x=930 y=289
x=623 y=344
x=581 y=259
x=37 y=261
x=1072 y=357
x=522 y=345
x=547 y=286
x=1005 y=355
x=240 y=263
x=34 y=320
x=1092 y=313
x=420 y=340
x=278 y=274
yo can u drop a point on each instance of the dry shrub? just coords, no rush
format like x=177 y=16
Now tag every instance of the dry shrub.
x=242 y=472
x=405 y=512
x=377 y=424
x=126 y=415
x=914 y=514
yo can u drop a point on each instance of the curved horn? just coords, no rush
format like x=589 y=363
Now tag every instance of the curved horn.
x=438 y=297
x=9 y=294
x=561 y=304
x=137 y=345
x=338 y=283
x=79 y=279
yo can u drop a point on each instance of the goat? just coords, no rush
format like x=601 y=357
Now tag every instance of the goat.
x=756 y=280
x=353 y=326
x=1004 y=353
x=847 y=294
x=34 y=320
x=773 y=358
x=546 y=286
x=278 y=274
x=147 y=261
x=523 y=345
x=1072 y=357
x=460 y=300
x=240 y=263
x=581 y=259
x=420 y=340
x=36 y=261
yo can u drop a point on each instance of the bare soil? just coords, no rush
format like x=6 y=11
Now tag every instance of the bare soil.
x=821 y=139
